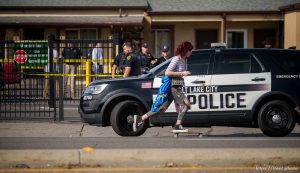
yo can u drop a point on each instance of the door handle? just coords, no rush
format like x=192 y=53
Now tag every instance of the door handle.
x=198 y=82
x=257 y=79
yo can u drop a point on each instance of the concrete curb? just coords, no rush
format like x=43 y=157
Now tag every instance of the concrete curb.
x=149 y=157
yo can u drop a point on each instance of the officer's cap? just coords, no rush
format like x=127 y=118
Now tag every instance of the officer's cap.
x=145 y=45
x=165 y=48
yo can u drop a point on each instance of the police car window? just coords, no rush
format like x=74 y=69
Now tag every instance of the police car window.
x=232 y=63
x=287 y=61
x=255 y=67
x=198 y=64
x=161 y=68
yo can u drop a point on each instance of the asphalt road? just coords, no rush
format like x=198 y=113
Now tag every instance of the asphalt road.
x=78 y=135
x=155 y=142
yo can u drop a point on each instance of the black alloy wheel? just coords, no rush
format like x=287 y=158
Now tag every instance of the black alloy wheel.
x=276 y=118
x=122 y=118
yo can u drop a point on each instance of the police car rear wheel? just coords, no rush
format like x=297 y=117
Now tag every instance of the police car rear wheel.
x=122 y=118
x=276 y=118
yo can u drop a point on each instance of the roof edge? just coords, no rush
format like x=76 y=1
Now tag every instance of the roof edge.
x=290 y=7
x=210 y=12
x=71 y=24
x=73 y=8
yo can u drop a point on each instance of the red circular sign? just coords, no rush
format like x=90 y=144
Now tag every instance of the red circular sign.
x=20 y=56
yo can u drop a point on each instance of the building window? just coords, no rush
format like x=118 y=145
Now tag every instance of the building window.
x=265 y=38
x=204 y=37
x=72 y=34
x=160 y=37
x=75 y=34
x=88 y=34
x=33 y=34
x=81 y=34
x=236 y=38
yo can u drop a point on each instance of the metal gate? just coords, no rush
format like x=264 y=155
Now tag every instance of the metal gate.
x=35 y=82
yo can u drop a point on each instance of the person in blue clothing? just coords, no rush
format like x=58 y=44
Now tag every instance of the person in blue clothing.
x=171 y=89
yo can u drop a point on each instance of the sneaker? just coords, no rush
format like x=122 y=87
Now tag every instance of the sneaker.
x=179 y=127
x=137 y=121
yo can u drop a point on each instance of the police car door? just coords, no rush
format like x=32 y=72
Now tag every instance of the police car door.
x=197 y=87
x=238 y=80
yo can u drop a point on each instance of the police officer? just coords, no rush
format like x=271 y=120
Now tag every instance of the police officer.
x=136 y=46
x=71 y=53
x=146 y=57
x=119 y=61
x=132 y=66
x=165 y=54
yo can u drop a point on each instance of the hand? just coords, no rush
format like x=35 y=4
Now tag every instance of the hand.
x=153 y=61
x=186 y=73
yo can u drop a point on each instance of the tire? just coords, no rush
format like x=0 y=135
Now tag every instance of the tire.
x=276 y=118
x=122 y=117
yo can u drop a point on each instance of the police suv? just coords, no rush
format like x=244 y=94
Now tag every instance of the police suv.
x=228 y=87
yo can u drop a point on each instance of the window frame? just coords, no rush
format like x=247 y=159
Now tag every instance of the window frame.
x=154 y=30
x=251 y=57
x=211 y=55
x=239 y=30
x=79 y=29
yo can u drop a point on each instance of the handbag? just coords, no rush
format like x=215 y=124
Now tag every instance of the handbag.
x=177 y=81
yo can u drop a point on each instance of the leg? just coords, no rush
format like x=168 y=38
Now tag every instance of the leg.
x=46 y=88
x=161 y=109
x=183 y=109
x=139 y=120
x=67 y=71
x=100 y=69
x=183 y=103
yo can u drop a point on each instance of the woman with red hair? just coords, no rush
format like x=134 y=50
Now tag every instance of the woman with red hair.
x=176 y=70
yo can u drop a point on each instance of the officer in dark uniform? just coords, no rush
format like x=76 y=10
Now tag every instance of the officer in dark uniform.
x=165 y=54
x=146 y=57
x=119 y=62
x=132 y=62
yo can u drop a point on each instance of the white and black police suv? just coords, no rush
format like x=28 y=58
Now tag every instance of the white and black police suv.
x=228 y=87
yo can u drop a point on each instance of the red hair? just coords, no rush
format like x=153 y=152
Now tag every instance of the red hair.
x=183 y=48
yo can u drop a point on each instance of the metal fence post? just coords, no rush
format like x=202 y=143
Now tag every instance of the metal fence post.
x=88 y=72
x=61 y=90
x=51 y=78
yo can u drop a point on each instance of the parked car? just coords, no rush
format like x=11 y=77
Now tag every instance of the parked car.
x=228 y=87
x=9 y=73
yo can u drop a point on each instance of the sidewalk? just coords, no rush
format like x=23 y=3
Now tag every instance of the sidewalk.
x=65 y=129
x=78 y=129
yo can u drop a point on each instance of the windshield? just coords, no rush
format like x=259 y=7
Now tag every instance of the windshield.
x=159 y=69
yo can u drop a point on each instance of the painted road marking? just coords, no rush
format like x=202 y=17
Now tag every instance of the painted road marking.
x=210 y=138
x=192 y=168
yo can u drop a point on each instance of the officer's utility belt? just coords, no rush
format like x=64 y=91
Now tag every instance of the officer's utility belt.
x=177 y=82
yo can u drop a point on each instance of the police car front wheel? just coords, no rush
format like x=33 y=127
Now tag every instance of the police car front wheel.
x=276 y=118
x=122 y=118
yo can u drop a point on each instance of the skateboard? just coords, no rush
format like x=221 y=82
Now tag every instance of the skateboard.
x=200 y=132
x=187 y=132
